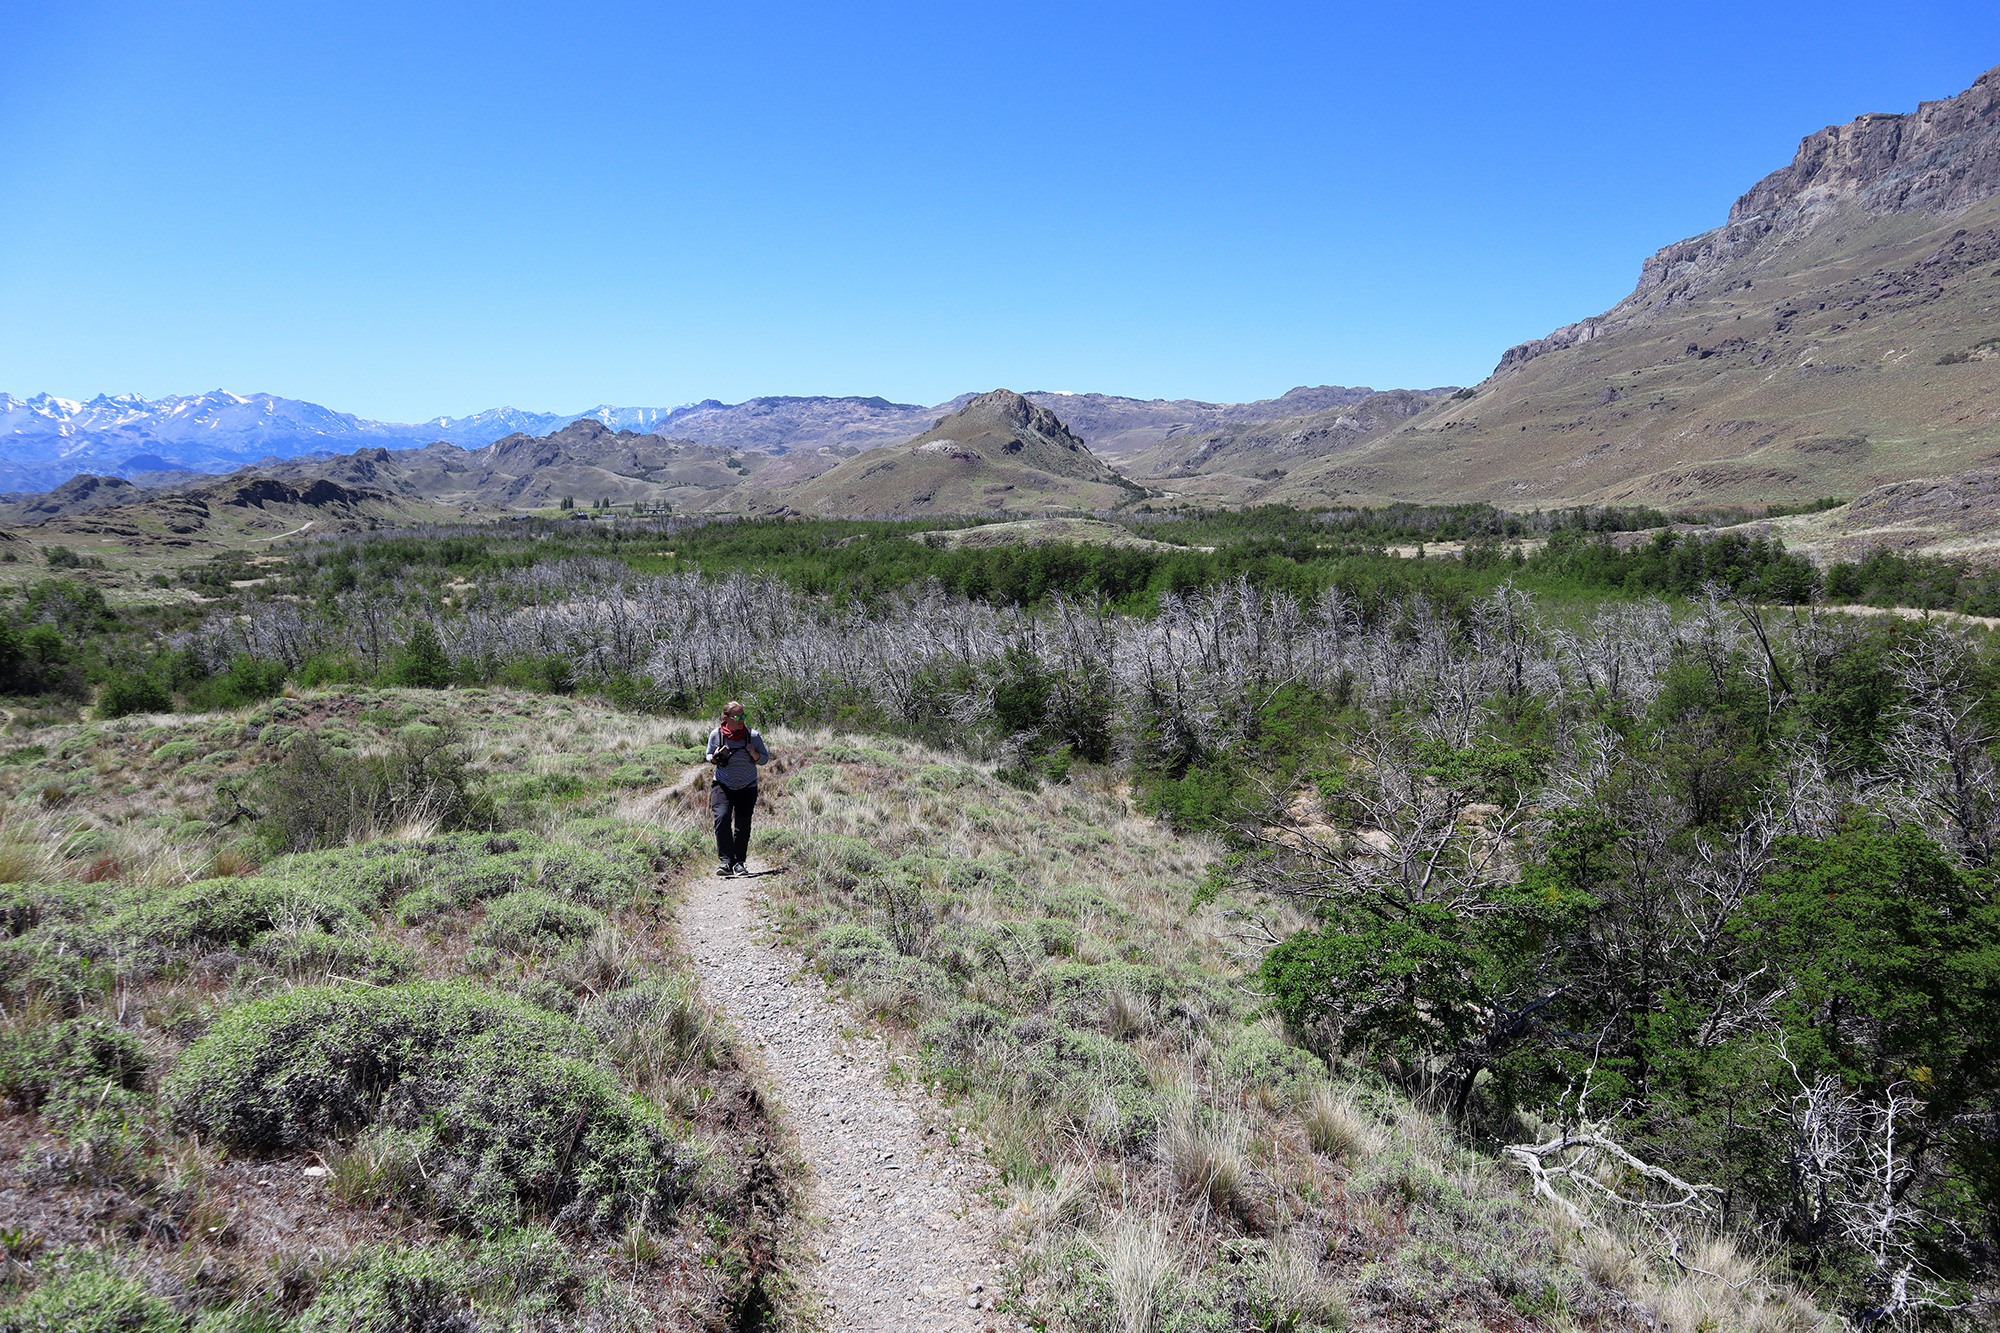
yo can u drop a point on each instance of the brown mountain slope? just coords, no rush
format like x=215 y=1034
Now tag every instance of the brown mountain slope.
x=1270 y=460
x=1110 y=424
x=233 y=510
x=586 y=460
x=999 y=451
x=1839 y=332
x=788 y=424
x=1121 y=428
x=80 y=494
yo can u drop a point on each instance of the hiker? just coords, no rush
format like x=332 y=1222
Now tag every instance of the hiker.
x=735 y=750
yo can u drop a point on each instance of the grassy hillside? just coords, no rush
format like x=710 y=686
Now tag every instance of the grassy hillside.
x=455 y=1069
x=1173 y=1157
x=1784 y=381
x=1840 y=331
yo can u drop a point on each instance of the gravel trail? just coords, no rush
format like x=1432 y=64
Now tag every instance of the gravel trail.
x=902 y=1237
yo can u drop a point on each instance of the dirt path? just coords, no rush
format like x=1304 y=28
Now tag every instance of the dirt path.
x=903 y=1241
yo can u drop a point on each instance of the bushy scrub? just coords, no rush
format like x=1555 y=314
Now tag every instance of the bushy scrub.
x=1043 y=1063
x=1084 y=995
x=532 y=919
x=32 y=970
x=133 y=692
x=1256 y=1058
x=81 y=1293
x=321 y=795
x=37 y=1063
x=889 y=981
x=512 y=1118
x=431 y=876
x=522 y=1279
x=216 y=913
x=321 y=954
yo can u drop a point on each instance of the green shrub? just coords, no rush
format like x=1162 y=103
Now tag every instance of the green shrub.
x=421 y=663
x=1079 y=993
x=533 y=919
x=21 y=909
x=521 y=1279
x=425 y=904
x=215 y=913
x=845 y=862
x=843 y=947
x=406 y=1290
x=86 y=1052
x=461 y=867
x=275 y=735
x=32 y=969
x=247 y=681
x=511 y=1116
x=1040 y=1061
x=133 y=692
x=1255 y=1058
x=1058 y=938
x=174 y=752
x=84 y=1295
x=325 y=669
x=322 y=795
x=1123 y=1118
x=1063 y=1062
x=465 y=868
x=317 y=953
x=891 y=983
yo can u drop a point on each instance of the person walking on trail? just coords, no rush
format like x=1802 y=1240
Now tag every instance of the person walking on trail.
x=735 y=750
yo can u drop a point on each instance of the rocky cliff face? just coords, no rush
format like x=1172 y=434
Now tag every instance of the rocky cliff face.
x=1942 y=158
x=1840 y=332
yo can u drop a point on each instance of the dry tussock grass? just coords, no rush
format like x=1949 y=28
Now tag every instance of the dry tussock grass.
x=1228 y=1154
x=1205 y=1157
x=1140 y=1259
x=1337 y=1127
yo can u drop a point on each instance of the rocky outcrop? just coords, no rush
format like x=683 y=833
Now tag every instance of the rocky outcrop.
x=1024 y=431
x=1968 y=502
x=999 y=451
x=79 y=495
x=1941 y=158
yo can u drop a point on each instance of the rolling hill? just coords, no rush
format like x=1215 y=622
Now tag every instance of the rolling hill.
x=230 y=512
x=585 y=460
x=1262 y=460
x=998 y=452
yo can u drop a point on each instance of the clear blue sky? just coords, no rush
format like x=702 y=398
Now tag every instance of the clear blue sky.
x=401 y=209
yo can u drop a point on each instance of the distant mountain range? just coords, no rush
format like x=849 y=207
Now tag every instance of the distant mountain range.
x=45 y=440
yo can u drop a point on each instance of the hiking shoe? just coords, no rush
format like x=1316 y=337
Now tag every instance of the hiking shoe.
x=726 y=869
x=739 y=869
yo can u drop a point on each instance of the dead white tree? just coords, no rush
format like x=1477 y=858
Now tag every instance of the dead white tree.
x=1941 y=748
x=1852 y=1178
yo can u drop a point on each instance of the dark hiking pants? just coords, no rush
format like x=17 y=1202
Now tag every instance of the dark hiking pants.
x=732 y=804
